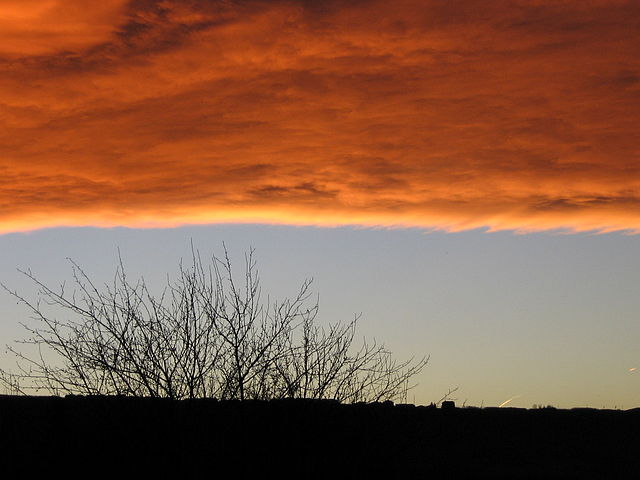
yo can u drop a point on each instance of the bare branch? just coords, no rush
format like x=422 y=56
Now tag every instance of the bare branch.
x=204 y=335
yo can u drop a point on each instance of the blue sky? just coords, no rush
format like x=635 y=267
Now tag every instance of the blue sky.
x=550 y=318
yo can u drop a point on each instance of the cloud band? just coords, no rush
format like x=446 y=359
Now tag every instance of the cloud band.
x=452 y=115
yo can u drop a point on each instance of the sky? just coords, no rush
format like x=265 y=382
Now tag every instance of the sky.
x=466 y=174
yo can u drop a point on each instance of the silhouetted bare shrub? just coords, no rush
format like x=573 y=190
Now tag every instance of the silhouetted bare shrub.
x=204 y=336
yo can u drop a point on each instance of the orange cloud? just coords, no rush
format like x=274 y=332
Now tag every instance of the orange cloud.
x=36 y=27
x=505 y=114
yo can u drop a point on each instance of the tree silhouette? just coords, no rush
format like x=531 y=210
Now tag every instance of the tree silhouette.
x=204 y=336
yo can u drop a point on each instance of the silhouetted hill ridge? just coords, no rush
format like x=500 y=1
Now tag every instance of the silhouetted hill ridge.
x=322 y=437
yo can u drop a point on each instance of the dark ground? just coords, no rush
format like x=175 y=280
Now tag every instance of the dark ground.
x=315 y=439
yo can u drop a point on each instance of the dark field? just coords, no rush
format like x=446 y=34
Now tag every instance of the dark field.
x=304 y=439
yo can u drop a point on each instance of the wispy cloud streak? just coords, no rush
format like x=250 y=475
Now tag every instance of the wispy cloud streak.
x=506 y=402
